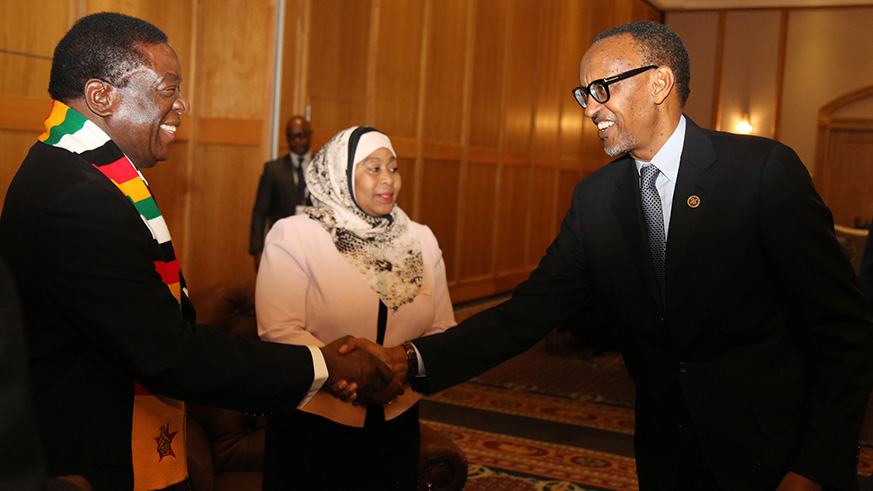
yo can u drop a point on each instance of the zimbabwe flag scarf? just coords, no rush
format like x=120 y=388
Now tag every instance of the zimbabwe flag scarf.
x=158 y=423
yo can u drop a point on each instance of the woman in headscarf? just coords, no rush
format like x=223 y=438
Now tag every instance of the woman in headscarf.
x=354 y=264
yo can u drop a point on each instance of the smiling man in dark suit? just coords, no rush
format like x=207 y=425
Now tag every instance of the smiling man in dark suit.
x=738 y=316
x=113 y=347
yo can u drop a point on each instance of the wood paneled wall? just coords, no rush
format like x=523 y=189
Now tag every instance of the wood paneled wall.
x=475 y=95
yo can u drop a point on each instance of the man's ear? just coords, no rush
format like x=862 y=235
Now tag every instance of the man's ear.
x=101 y=97
x=665 y=81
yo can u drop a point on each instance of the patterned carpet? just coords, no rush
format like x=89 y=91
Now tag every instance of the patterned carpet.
x=555 y=419
x=524 y=428
x=530 y=464
x=540 y=406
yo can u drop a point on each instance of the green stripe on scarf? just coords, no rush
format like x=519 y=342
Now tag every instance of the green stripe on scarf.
x=72 y=123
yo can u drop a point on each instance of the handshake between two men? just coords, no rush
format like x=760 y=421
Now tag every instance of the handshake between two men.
x=363 y=372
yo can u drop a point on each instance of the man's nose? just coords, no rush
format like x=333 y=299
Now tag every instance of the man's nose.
x=181 y=105
x=591 y=107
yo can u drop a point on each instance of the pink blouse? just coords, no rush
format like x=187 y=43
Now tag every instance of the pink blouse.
x=307 y=294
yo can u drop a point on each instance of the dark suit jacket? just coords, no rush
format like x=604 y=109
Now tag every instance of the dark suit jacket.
x=21 y=461
x=865 y=271
x=98 y=317
x=765 y=343
x=278 y=197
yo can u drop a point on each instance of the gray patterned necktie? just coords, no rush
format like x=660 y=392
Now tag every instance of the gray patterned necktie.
x=654 y=218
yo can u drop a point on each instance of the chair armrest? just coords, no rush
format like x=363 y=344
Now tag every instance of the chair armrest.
x=200 y=468
x=442 y=466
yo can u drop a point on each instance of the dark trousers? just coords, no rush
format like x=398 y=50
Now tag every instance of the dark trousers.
x=306 y=452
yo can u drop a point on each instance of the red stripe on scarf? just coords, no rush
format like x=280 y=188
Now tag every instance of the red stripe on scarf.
x=140 y=390
x=169 y=271
x=119 y=171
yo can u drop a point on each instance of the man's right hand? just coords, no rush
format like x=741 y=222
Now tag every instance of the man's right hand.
x=394 y=357
x=359 y=376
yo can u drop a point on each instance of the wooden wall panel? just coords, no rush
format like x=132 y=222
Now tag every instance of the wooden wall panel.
x=232 y=115
x=31 y=74
x=575 y=39
x=487 y=84
x=221 y=203
x=547 y=107
x=542 y=211
x=27 y=41
x=444 y=90
x=439 y=208
x=604 y=15
x=408 y=173
x=848 y=189
x=234 y=67
x=567 y=180
x=644 y=11
x=513 y=200
x=520 y=76
x=18 y=133
x=15 y=145
x=397 y=66
x=26 y=28
x=476 y=239
x=337 y=69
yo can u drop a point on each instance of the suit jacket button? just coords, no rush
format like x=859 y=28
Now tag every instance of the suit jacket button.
x=683 y=367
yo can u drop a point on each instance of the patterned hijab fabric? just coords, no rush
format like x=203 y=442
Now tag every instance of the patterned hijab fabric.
x=385 y=250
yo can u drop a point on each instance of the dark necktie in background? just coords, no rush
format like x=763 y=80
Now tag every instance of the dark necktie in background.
x=301 y=183
x=654 y=218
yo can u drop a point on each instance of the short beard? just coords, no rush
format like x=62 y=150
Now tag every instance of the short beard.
x=623 y=146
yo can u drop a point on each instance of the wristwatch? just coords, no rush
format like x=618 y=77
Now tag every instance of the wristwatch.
x=411 y=360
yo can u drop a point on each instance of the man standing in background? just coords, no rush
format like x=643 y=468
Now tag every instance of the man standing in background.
x=282 y=187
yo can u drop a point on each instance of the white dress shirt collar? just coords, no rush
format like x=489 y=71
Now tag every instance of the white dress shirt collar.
x=667 y=158
x=295 y=158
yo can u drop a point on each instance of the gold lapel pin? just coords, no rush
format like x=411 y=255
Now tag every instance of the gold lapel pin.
x=693 y=201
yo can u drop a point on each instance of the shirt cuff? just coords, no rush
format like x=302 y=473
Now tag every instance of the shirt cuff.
x=319 y=368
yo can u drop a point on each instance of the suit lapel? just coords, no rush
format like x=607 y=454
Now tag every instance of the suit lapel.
x=694 y=188
x=626 y=205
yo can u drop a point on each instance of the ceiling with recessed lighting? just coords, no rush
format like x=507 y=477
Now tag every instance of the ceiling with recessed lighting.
x=751 y=4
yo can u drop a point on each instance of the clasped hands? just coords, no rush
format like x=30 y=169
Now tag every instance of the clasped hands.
x=363 y=372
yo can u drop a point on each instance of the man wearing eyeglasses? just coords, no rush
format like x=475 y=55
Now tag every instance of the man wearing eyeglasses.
x=282 y=187
x=738 y=316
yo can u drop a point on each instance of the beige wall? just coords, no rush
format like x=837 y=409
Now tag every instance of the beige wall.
x=780 y=65
x=474 y=93
x=828 y=55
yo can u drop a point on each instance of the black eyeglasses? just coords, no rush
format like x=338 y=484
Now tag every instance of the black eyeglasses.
x=599 y=89
x=297 y=136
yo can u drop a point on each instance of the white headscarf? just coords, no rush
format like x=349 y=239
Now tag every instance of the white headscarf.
x=385 y=250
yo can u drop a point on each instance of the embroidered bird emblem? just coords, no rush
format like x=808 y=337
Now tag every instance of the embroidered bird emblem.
x=165 y=442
